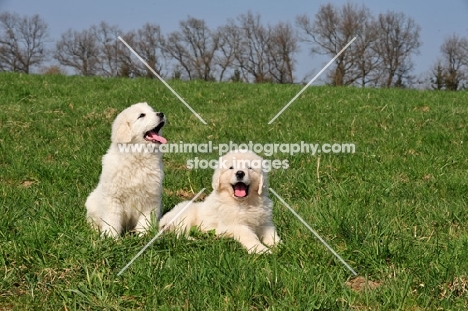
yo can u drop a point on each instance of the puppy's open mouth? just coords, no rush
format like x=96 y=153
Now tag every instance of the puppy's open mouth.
x=153 y=135
x=241 y=190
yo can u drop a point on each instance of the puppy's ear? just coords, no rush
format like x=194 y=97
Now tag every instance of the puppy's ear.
x=216 y=177
x=121 y=132
x=260 y=184
x=263 y=182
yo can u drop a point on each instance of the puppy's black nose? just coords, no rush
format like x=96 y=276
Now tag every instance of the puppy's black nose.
x=240 y=174
x=160 y=114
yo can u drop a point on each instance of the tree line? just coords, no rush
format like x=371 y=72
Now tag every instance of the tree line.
x=244 y=49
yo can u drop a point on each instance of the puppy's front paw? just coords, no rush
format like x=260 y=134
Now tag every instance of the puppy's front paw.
x=110 y=232
x=272 y=240
x=259 y=249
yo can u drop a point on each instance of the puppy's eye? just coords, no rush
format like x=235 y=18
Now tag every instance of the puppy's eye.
x=249 y=167
x=231 y=168
x=142 y=115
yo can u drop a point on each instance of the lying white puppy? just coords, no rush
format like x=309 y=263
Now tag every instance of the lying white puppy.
x=238 y=207
x=130 y=187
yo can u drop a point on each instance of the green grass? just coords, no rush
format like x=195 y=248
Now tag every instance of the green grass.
x=396 y=210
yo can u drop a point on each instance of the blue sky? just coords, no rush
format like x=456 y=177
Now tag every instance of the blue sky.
x=438 y=19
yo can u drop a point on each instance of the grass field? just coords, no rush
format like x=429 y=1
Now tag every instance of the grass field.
x=396 y=210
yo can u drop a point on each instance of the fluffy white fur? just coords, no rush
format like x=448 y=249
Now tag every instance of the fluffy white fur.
x=129 y=191
x=247 y=218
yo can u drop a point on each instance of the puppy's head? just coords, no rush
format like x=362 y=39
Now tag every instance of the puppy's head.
x=241 y=175
x=138 y=123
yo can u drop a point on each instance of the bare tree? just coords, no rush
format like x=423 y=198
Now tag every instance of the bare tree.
x=381 y=54
x=455 y=62
x=252 y=57
x=128 y=65
x=398 y=40
x=329 y=33
x=108 y=45
x=150 y=47
x=175 y=49
x=367 y=62
x=194 y=48
x=252 y=52
x=229 y=43
x=148 y=43
x=282 y=46
x=79 y=50
x=22 y=42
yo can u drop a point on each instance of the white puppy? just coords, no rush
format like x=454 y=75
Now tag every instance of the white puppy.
x=130 y=187
x=238 y=207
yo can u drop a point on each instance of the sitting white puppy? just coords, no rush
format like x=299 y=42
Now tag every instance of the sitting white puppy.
x=238 y=207
x=130 y=187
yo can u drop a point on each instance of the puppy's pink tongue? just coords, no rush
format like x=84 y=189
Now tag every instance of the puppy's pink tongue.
x=155 y=137
x=240 y=190
x=161 y=139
